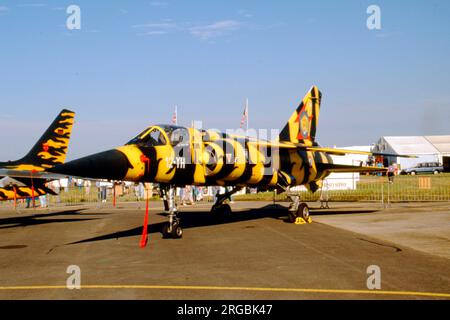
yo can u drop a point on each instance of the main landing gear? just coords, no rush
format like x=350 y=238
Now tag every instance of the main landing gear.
x=298 y=212
x=220 y=208
x=171 y=229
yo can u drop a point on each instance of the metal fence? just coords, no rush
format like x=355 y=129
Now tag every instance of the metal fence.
x=368 y=188
x=378 y=188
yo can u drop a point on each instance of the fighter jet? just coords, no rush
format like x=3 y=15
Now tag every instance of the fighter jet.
x=175 y=156
x=26 y=177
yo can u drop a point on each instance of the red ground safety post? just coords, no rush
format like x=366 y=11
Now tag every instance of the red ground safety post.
x=114 y=194
x=144 y=238
x=32 y=189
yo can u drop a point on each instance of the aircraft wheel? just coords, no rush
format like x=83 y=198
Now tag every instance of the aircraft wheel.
x=303 y=211
x=165 y=231
x=222 y=212
x=226 y=209
x=177 y=231
x=292 y=217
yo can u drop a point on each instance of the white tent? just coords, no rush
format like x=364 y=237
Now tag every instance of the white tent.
x=426 y=148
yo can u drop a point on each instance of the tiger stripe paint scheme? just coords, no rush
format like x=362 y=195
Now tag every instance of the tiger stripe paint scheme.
x=176 y=155
x=49 y=150
x=26 y=191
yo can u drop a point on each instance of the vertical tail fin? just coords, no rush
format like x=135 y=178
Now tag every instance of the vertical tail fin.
x=52 y=147
x=301 y=126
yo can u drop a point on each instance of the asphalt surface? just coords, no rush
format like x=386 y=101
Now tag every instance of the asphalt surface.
x=255 y=254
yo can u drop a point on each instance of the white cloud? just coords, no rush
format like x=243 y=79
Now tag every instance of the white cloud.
x=163 y=25
x=32 y=5
x=154 y=33
x=215 y=29
x=158 y=4
x=203 y=32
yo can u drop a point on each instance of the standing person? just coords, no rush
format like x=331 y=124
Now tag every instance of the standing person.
x=97 y=184
x=391 y=173
x=396 y=169
x=187 y=197
x=28 y=201
x=87 y=187
x=136 y=191
x=104 y=190
x=79 y=184
x=199 y=194
x=141 y=191
x=181 y=195
x=195 y=193
x=43 y=201
x=379 y=165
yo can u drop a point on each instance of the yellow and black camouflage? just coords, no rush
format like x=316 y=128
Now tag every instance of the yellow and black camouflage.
x=49 y=150
x=175 y=155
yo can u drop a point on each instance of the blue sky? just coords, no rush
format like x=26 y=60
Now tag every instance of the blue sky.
x=132 y=61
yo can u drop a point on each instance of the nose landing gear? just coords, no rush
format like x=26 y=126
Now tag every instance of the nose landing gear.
x=171 y=229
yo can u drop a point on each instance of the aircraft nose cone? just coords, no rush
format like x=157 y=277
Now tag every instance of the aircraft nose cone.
x=112 y=165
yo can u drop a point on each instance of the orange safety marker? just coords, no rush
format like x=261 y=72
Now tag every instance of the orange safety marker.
x=144 y=237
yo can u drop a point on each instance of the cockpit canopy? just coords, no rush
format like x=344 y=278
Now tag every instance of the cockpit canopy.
x=156 y=136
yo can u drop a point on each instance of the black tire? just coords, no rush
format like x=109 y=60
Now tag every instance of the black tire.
x=165 y=231
x=303 y=211
x=292 y=217
x=222 y=211
x=216 y=210
x=436 y=171
x=226 y=209
x=413 y=173
x=177 y=231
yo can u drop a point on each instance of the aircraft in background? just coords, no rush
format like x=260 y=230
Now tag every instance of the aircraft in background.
x=26 y=177
x=175 y=156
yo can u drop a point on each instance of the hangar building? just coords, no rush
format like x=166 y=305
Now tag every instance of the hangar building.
x=427 y=148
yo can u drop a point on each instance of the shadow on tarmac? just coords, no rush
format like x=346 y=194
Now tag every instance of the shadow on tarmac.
x=34 y=219
x=195 y=219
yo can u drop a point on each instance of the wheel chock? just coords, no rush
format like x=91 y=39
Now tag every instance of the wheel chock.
x=299 y=220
